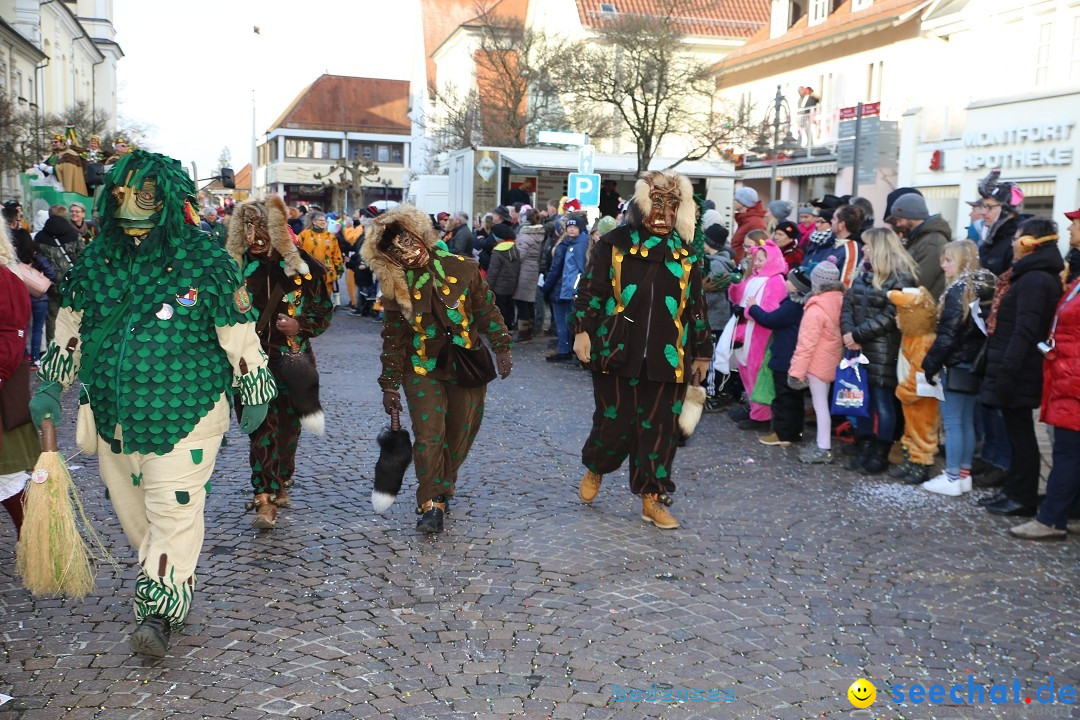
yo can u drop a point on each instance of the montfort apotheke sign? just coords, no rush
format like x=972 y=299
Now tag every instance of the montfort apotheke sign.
x=1022 y=146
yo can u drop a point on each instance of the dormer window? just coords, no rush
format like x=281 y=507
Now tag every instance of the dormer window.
x=819 y=12
x=857 y=5
x=608 y=8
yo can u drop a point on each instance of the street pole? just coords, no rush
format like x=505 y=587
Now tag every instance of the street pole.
x=254 y=147
x=855 y=158
x=779 y=100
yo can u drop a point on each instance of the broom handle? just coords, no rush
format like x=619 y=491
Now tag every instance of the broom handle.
x=48 y=436
x=395 y=422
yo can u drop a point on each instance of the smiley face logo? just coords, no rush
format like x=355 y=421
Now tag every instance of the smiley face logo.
x=862 y=693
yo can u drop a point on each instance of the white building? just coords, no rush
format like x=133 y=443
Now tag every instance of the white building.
x=1010 y=100
x=80 y=52
x=847 y=52
x=334 y=118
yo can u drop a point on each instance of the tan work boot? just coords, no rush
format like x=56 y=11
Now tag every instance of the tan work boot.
x=282 y=499
x=265 y=512
x=652 y=510
x=590 y=486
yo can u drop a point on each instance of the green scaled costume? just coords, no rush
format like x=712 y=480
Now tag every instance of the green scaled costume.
x=157 y=327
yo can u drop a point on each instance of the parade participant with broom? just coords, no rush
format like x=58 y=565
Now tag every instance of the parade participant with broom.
x=19 y=446
x=287 y=287
x=436 y=306
x=156 y=326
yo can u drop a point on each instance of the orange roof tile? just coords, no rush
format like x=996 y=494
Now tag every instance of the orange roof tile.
x=840 y=21
x=440 y=18
x=715 y=18
x=353 y=104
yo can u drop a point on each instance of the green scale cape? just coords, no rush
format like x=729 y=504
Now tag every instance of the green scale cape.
x=153 y=375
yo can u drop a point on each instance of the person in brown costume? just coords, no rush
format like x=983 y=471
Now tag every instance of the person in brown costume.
x=432 y=299
x=642 y=326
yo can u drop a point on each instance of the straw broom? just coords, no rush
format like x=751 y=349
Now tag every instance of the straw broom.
x=52 y=557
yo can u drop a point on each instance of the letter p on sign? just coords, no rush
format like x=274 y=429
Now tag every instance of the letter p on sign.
x=585 y=188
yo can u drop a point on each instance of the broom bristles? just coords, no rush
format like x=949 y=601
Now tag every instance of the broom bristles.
x=52 y=558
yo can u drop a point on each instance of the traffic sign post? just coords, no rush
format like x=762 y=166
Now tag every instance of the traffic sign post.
x=585 y=188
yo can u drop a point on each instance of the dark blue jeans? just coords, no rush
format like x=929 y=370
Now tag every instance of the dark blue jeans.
x=996 y=448
x=882 y=404
x=1063 y=485
x=562 y=310
x=39 y=308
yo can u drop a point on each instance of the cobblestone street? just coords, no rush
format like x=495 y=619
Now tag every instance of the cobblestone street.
x=784 y=584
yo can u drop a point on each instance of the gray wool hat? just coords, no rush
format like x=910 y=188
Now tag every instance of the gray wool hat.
x=746 y=196
x=910 y=207
x=780 y=209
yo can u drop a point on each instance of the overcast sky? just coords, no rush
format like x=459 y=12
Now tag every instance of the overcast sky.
x=189 y=68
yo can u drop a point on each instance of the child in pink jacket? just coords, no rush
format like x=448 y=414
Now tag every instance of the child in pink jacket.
x=766 y=288
x=818 y=353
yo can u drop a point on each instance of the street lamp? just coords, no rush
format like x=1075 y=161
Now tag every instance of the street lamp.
x=780 y=115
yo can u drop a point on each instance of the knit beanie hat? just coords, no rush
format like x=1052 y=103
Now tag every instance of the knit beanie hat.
x=824 y=272
x=605 y=225
x=800 y=280
x=808 y=210
x=780 y=209
x=746 y=196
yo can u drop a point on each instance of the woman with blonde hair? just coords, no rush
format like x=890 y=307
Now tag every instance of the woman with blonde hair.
x=868 y=323
x=958 y=342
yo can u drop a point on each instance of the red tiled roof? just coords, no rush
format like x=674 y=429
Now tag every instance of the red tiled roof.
x=840 y=21
x=715 y=18
x=352 y=104
x=439 y=19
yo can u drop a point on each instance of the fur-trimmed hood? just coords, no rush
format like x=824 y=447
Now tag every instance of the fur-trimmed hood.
x=640 y=205
x=271 y=219
x=378 y=238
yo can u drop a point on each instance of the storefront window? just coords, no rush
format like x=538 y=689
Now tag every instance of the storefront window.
x=383 y=153
x=312 y=149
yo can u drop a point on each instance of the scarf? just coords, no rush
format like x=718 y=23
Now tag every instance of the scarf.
x=1003 y=282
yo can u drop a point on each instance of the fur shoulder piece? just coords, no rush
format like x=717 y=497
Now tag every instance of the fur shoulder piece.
x=668 y=181
x=403 y=218
x=267 y=220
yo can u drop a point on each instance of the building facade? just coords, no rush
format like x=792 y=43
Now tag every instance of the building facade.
x=332 y=124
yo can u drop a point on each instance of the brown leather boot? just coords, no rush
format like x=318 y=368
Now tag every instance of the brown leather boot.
x=265 y=512
x=652 y=510
x=590 y=486
x=282 y=499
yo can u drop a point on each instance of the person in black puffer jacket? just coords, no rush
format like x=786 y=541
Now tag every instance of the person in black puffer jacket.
x=957 y=343
x=1014 y=364
x=61 y=243
x=868 y=324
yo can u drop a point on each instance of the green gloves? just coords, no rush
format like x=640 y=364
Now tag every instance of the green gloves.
x=46 y=404
x=253 y=417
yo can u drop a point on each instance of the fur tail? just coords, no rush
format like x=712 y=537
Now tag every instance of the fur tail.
x=395 y=456
x=314 y=422
x=693 y=405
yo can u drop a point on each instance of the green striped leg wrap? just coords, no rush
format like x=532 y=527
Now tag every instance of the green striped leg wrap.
x=173 y=600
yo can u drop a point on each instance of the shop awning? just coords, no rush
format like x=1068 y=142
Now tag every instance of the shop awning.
x=941 y=192
x=788 y=170
x=1043 y=188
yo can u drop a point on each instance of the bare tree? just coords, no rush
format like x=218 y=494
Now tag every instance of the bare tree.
x=22 y=141
x=639 y=67
x=224 y=159
x=347 y=177
x=83 y=118
x=515 y=95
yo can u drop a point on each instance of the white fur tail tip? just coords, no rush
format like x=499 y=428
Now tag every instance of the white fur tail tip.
x=381 y=501
x=303 y=268
x=315 y=422
x=693 y=405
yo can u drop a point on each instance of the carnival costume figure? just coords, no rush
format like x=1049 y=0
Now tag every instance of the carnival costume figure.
x=67 y=165
x=286 y=287
x=434 y=303
x=156 y=329
x=641 y=326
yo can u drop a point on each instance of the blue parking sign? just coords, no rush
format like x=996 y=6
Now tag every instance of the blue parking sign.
x=585 y=188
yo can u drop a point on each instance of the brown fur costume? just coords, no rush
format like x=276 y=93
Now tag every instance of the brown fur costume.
x=383 y=230
x=916 y=315
x=666 y=181
x=270 y=223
